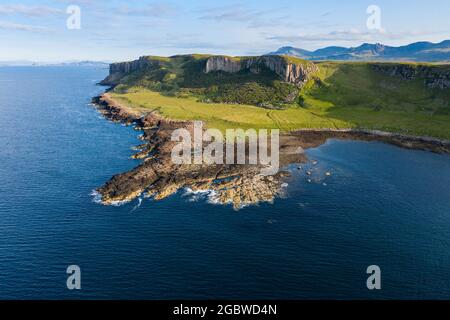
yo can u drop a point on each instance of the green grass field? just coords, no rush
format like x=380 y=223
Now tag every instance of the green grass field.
x=224 y=116
x=344 y=95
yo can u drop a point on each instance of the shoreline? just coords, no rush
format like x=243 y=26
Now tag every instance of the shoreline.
x=240 y=185
x=116 y=111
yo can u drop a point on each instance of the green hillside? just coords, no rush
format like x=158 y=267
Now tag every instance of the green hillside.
x=183 y=76
x=339 y=95
x=356 y=93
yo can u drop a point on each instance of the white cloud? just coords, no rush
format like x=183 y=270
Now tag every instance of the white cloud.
x=29 y=10
x=156 y=10
x=22 y=27
x=242 y=14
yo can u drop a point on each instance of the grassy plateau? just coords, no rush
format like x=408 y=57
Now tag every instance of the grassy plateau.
x=340 y=95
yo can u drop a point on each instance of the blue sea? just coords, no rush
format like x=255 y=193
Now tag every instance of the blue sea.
x=382 y=205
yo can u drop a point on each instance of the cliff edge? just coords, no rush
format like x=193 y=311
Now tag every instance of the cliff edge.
x=295 y=71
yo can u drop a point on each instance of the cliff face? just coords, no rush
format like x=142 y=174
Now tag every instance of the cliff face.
x=222 y=63
x=130 y=66
x=434 y=76
x=120 y=69
x=296 y=73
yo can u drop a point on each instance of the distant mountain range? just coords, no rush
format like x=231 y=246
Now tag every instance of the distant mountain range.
x=85 y=63
x=418 y=51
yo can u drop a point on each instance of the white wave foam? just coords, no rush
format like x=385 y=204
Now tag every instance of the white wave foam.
x=196 y=195
x=97 y=198
x=188 y=191
x=137 y=205
x=118 y=203
x=213 y=197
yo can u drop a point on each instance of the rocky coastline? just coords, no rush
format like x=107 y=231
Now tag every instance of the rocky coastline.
x=157 y=177
x=240 y=185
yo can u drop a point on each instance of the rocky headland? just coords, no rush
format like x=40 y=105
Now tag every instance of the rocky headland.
x=158 y=177
x=240 y=185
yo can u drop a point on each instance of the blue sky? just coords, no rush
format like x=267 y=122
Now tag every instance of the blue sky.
x=122 y=30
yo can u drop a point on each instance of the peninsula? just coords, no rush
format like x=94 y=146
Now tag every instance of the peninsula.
x=407 y=104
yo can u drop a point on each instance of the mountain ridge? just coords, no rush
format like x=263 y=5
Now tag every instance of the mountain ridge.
x=422 y=51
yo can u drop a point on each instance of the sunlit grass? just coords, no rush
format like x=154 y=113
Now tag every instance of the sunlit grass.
x=350 y=95
x=223 y=116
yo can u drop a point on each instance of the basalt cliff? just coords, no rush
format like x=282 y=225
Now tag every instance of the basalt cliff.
x=201 y=71
x=289 y=70
x=119 y=70
x=296 y=72
x=433 y=76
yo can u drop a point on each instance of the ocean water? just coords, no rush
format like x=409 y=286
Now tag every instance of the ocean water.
x=382 y=205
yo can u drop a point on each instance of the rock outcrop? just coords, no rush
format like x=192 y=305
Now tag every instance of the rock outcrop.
x=433 y=76
x=292 y=72
x=240 y=185
x=120 y=69
x=158 y=177
x=223 y=63
x=296 y=73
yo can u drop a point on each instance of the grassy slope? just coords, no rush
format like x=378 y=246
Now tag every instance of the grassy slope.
x=184 y=76
x=355 y=93
x=223 y=116
x=350 y=95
